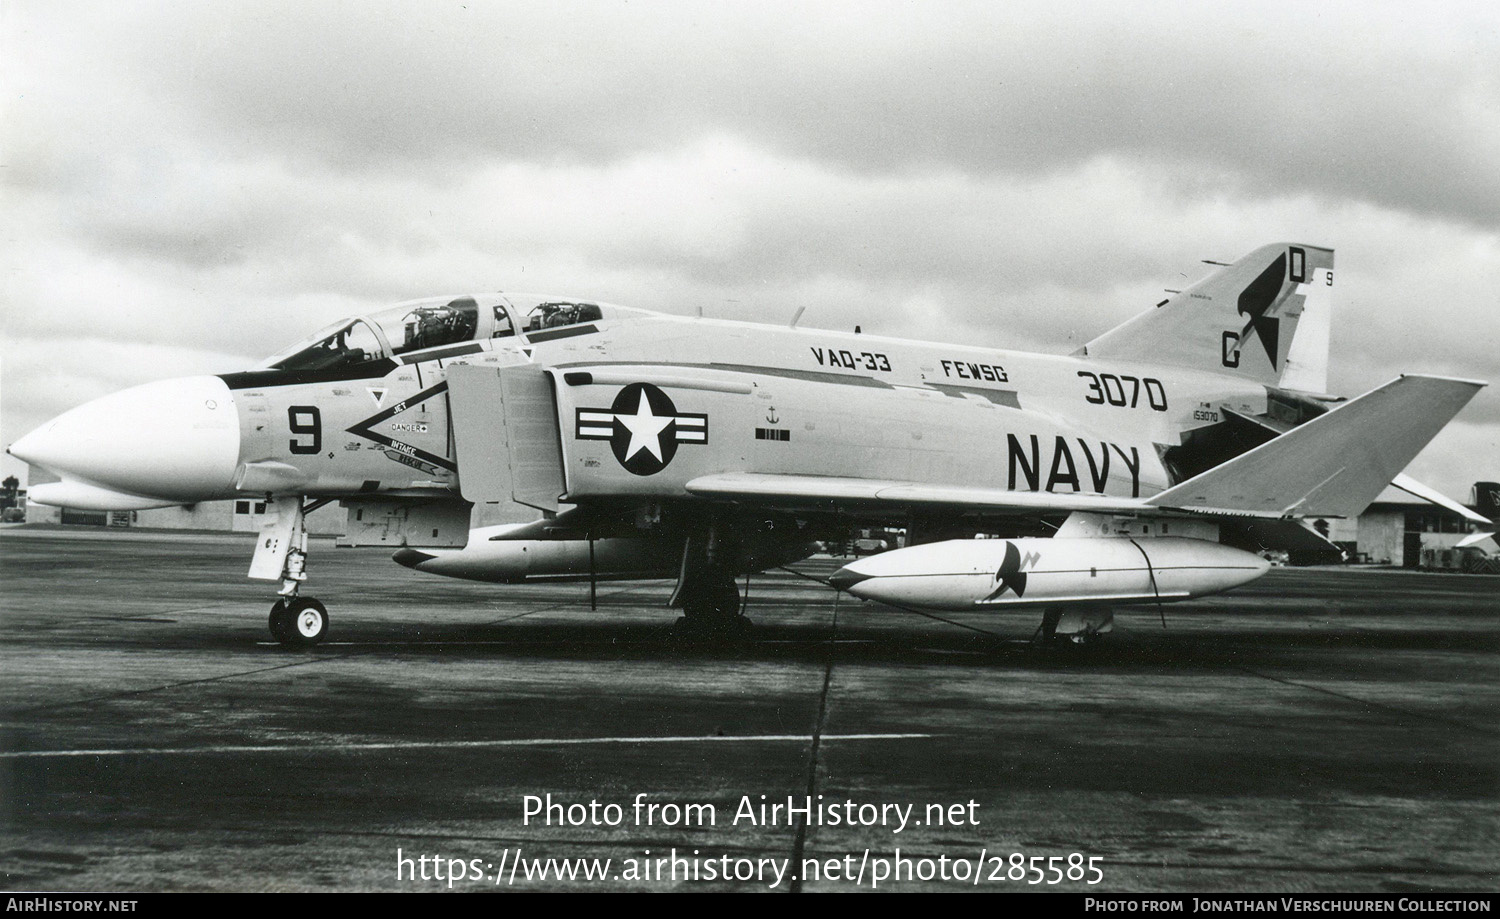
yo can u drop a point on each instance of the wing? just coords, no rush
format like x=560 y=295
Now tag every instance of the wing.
x=812 y=492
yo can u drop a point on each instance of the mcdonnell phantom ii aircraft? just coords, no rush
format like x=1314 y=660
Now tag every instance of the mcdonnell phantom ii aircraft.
x=550 y=437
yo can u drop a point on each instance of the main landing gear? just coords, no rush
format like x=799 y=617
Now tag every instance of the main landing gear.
x=1079 y=626
x=281 y=555
x=714 y=614
x=706 y=592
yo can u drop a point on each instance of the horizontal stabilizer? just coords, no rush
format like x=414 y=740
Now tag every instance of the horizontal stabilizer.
x=1473 y=539
x=1334 y=465
x=1412 y=487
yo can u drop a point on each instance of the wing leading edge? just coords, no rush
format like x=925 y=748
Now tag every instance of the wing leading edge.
x=819 y=492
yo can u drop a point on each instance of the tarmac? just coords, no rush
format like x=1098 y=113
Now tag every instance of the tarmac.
x=1316 y=731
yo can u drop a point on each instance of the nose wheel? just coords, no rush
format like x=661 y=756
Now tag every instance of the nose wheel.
x=298 y=622
x=281 y=555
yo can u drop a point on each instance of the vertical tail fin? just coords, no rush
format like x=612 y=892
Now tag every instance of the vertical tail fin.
x=1266 y=317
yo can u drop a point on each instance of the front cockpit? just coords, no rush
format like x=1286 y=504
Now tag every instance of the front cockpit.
x=422 y=325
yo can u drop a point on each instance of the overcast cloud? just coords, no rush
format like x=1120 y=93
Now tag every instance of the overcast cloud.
x=189 y=187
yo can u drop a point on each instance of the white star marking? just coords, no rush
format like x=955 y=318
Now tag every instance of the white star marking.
x=645 y=429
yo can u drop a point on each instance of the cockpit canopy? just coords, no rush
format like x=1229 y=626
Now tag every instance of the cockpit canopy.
x=419 y=325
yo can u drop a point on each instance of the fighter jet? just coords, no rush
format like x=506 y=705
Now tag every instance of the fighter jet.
x=555 y=437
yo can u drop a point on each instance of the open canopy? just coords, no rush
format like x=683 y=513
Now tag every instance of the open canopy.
x=418 y=325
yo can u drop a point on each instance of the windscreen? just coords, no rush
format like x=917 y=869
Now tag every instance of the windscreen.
x=409 y=327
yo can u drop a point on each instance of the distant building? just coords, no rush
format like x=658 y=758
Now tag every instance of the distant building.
x=237 y=516
x=1403 y=530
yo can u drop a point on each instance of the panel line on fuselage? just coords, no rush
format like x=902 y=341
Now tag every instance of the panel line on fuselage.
x=808 y=376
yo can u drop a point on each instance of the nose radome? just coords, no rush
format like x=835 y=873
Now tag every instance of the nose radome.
x=177 y=439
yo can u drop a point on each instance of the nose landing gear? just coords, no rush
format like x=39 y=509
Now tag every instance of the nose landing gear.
x=281 y=555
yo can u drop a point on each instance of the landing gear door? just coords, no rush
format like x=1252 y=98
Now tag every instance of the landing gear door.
x=281 y=533
x=505 y=430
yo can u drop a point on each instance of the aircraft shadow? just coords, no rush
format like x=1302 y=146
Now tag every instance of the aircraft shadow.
x=817 y=642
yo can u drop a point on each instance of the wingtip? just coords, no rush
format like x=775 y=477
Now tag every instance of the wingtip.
x=1477 y=384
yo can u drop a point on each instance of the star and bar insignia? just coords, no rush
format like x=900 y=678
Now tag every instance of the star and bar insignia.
x=643 y=428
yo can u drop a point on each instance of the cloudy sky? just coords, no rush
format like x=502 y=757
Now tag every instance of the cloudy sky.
x=188 y=187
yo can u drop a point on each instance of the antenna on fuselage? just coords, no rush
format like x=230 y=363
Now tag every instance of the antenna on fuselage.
x=796 y=316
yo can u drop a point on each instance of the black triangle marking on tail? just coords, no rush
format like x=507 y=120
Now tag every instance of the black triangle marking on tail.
x=1256 y=298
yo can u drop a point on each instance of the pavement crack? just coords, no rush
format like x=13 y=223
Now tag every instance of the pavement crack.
x=165 y=686
x=1382 y=706
x=799 y=842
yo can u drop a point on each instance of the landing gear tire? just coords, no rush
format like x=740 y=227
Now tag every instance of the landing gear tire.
x=280 y=622
x=722 y=602
x=298 y=622
x=1074 y=628
x=714 y=614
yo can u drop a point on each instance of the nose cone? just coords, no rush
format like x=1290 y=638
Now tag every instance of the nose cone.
x=845 y=578
x=1257 y=568
x=412 y=558
x=175 y=439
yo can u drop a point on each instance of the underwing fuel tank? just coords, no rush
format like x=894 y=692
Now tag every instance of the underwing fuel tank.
x=492 y=556
x=974 y=574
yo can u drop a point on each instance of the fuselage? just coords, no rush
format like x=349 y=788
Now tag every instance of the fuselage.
x=772 y=399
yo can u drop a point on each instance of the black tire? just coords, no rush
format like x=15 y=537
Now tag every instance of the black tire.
x=712 y=612
x=714 y=601
x=300 y=622
x=281 y=621
x=727 y=601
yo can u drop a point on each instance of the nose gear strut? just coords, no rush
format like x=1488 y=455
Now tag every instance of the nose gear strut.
x=281 y=555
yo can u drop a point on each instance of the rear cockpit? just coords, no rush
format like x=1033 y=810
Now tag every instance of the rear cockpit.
x=554 y=314
x=422 y=325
